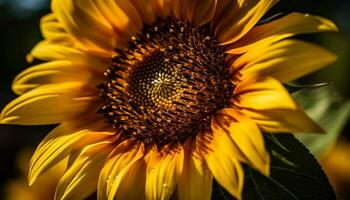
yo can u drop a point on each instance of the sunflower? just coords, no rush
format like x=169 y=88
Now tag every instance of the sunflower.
x=153 y=99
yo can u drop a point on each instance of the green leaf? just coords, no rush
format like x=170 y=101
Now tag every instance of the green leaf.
x=330 y=111
x=295 y=174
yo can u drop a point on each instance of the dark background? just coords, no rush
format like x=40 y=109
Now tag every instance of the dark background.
x=19 y=32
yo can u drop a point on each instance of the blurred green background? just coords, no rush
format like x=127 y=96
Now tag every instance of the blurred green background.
x=19 y=32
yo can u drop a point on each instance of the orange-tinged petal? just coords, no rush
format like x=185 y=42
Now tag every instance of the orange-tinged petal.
x=200 y=12
x=163 y=172
x=162 y=7
x=177 y=8
x=77 y=18
x=196 y=179
x=51 y=104
x=123 y=17
x=246 y=135
x=118 y=164
x=262 y=93
x=80 y=180
x=222 y=9
x=225 y=168
x=66 y=137
x=55 y=72
x=187 y=9
x=287 y=26
x=241 y=19
x=132 y=185
x=145 y=9
x=285 y=60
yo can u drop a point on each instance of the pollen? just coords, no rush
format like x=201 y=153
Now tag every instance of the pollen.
x=167 y=84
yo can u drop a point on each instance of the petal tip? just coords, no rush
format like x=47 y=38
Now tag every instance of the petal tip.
x=30 y=58
x=314 y=128
x=31 y=180
x=6 y=120
x=330 y=25
x=319 y=129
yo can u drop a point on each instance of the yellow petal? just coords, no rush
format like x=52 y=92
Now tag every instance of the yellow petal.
x=287 y=26
x=47 y=51
x=145 y=9
x=246 y=135
x=132 y=185
x=55 y=72
x=63 y=139
x=200 y=12
x=118 y=164
x=122 y=15
x=225 y=168
x=222 y=10
x=77 y=18
x=80 y=179
x=262 y=93
x=285 y=60
x=283 y=120
x=54 y=32
x=163 y=172
x=196 y=179
x=266 y=101
x=162 y=8
x=51 y=104
x=223 y=141
x=243 y=16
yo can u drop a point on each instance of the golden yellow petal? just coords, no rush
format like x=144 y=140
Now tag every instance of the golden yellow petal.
x=243 y=16
x=196 y=179
x=145 y=9
x=283 y=120
x=287 y=26
x=246 y=135
x=55 y=72
x=223 y=8
x=132 y=185
x=262 y=93
x=77 y=18
x=47 y=51
x=177 y=8
x=53 y=31
x=51 y=104
x=225 y=168
x=199 y=12
x=270 y=105
x=118 y=164
x=163 y=172
x=285 y=60
x=188 y=9
x=123 y=17
x=66 y=137
x=162 y=8
x=223 y=141
x=80 y=179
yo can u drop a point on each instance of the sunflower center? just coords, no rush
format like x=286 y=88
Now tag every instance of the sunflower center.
x=167 y=85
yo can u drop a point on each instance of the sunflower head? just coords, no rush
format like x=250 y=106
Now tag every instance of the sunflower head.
x=153 y=99
x=167 y=84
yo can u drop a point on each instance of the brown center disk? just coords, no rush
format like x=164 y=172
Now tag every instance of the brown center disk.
x=166 y=86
